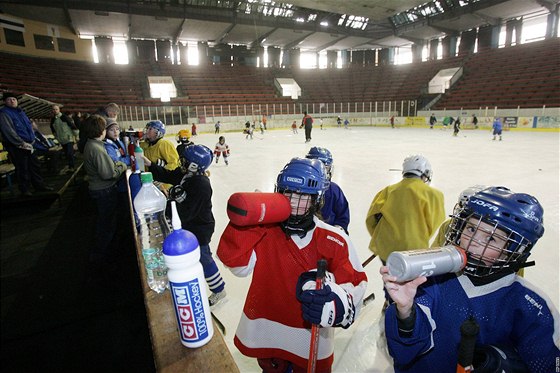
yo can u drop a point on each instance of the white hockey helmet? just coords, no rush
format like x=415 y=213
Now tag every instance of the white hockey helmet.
x=417 y=165
x=470 y=191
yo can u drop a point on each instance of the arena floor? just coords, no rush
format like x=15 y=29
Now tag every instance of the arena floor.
x=367 y=159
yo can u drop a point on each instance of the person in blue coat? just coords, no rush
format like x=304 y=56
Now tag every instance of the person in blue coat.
x=335 y=210
x=116 y=149
x=517 y=324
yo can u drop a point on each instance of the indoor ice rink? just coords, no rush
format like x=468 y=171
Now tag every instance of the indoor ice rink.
x=366 y=159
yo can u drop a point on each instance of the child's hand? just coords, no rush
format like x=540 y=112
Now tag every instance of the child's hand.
x=402 y=293
x=147 y=162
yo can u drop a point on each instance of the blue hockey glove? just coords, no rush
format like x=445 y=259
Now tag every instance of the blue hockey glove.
x=329 y=306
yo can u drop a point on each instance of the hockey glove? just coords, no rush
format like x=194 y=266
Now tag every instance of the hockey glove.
x=177 y=193
x=329 y=306
x=161 y=162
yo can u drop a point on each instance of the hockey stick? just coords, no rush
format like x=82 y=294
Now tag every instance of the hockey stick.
x=218 y=323
x=314 y=345
x=366 y=262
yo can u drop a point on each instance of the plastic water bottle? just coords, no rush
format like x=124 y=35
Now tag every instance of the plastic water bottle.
x=150 y=204
x=408 y=265
x=187 y=285
x=139 y=161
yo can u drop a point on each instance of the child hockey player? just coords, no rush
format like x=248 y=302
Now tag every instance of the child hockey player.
x=281 y=303
x=404 y=216
x=294 y=127
x=183 y=139
x=335 y=209
x=193 y=193
x=222 y=149
x=498 y=229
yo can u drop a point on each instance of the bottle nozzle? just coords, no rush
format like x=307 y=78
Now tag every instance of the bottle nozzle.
x=175 y=220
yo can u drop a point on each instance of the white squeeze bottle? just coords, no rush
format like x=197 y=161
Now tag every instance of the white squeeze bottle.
x=150 y=205
x=407 y=265
x=187 y=285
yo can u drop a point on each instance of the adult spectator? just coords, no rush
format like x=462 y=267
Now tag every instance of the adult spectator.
x=307 y=122
x=18 y=139
x=103 y=175
x=62 y=128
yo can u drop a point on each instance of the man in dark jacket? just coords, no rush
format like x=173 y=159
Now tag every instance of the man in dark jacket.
x=18 y=138
x=307 y=122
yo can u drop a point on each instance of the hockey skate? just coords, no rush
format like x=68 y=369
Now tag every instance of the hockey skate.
x=216 y=298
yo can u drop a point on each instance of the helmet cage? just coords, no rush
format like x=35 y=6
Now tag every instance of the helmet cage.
x=501 y=248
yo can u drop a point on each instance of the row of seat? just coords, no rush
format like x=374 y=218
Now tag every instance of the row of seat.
x=525 y=71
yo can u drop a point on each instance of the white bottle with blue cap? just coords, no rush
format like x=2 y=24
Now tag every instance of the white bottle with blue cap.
x=187 y=284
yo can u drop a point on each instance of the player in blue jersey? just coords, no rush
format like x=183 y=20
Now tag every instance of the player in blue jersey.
x=335 y=209
x=518 y=326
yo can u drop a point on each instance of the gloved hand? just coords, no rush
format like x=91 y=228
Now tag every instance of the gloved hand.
x=177 y=193
x=329 y=306
x=161 y=162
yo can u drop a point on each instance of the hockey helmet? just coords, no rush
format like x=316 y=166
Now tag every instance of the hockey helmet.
x=324 y=155
x=158 y=126
x=302 y=175
x=515 y=219
x=199 y=158
x=183 y=135
x=417 y=165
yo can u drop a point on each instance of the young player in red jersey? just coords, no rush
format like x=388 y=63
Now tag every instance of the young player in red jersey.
x=282 y=302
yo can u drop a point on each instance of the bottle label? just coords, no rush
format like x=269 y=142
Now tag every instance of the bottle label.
x=189 y=309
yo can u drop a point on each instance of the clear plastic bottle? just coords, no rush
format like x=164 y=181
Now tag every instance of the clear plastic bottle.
x=187 y=285
x=138 y=160
x=150 y=204
x=408 y=265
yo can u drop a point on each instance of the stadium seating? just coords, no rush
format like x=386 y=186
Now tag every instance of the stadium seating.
x=525 y=75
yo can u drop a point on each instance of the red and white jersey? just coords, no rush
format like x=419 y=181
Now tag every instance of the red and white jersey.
x=271 y=324
x=221 y=149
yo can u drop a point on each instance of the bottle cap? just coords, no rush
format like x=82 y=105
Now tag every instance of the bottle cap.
x=146 y=177
x=180 y=241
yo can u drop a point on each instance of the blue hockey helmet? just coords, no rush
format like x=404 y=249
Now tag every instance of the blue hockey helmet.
x=199 y=158
x=516 y=218
x=158 y=126
x=302 y=175
x=324 y=155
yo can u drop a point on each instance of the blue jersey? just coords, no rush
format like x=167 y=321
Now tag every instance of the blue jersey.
x=509 y=312
x=335 y=209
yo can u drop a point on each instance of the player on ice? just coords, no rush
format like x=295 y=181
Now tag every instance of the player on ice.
x=335 y=210
x=193 y=193
x=518 y=327
x=222 y=149
x=282 y=257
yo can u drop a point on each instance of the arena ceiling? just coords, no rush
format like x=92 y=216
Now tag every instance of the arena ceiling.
x=244 y=23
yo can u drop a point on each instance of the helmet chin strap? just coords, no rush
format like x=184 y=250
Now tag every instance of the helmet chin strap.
x=299 y=225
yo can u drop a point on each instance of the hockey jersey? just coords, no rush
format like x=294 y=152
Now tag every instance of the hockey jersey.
x=509 y=311
x=161 y=150
x=404 y=216
x=335 y=209
x=271 y=324
x=221 y=149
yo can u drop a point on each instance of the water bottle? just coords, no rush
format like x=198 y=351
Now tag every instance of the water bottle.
x=187 y=285
x=139 y=161
x=408 y=265
x=150 y=204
